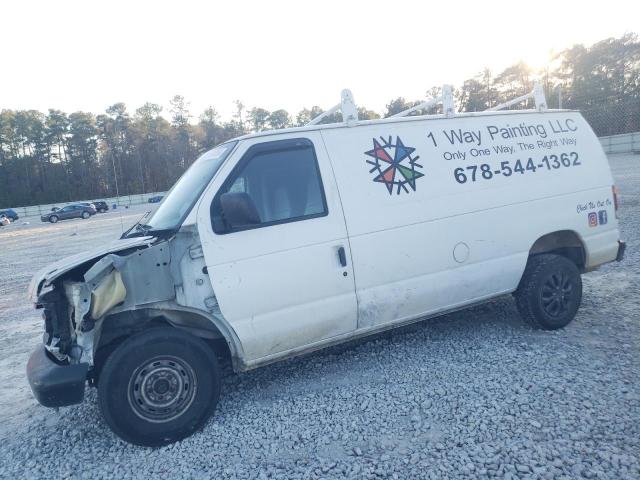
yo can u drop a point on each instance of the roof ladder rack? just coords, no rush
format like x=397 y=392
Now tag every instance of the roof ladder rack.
x=537 y=94
x=446 y=99
x=347 y=106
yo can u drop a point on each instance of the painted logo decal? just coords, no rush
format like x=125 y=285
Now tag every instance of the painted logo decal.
x=394 y=165
x=602 y=217
x=593 y=219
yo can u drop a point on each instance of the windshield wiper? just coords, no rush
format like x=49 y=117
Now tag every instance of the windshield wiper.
x=138 y=226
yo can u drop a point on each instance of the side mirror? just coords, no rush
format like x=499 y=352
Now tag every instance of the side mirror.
x=239 y=210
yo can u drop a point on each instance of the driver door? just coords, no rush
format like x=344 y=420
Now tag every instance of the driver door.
x=286 y=280
x=66 y=212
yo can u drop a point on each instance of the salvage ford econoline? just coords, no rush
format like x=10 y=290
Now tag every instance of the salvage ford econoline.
x=283 y=242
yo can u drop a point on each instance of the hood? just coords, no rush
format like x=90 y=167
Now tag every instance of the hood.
x=54 y=270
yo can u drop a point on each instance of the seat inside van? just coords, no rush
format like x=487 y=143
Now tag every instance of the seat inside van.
x=283 y=185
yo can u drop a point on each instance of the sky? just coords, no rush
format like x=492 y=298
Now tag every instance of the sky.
x=87 y=55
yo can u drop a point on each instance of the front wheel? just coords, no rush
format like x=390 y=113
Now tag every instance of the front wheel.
x=85 y=215
x=159 y=386
x=53 y=218
x=550 y=291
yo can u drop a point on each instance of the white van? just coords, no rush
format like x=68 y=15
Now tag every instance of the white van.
x=283 y=242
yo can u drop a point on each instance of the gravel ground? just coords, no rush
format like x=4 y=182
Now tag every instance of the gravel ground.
x=472 y=394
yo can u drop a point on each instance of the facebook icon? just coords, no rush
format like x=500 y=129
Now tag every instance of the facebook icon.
x=602 y=217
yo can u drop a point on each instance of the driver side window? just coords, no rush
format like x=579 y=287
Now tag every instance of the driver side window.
x=275 y=182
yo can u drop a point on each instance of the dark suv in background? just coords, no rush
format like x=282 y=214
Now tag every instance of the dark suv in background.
x=101 y=206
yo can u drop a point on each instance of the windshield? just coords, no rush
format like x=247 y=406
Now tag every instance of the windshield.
x=186 y=191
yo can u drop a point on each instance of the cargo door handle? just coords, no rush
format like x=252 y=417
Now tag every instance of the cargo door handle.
x=342 y=255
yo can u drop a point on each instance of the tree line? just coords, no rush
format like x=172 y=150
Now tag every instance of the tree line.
x=57 y=157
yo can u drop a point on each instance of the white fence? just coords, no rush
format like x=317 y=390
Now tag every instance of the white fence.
x=624 y=143
x=121 y=202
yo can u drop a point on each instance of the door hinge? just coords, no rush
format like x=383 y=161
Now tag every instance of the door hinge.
x=196 y=252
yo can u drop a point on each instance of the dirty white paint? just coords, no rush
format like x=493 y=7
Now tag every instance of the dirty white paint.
x=494 y=182
x=282 y=286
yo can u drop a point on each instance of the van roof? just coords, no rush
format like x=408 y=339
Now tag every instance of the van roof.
x=390 y=120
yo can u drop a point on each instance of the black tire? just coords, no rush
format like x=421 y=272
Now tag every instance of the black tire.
x=53 y=219
x=184 y=374
x=550 y=291
x=85 y=215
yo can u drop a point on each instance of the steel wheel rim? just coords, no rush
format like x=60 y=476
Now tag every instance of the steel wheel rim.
x=162 y=389
x=556 y=294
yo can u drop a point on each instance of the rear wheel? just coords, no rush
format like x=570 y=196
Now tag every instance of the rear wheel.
x=85 y=215
x=53 y=218
x=159 y=386
x=550 y=291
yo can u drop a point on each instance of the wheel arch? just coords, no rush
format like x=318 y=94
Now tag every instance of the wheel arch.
x=567 y=243
x=117 y=327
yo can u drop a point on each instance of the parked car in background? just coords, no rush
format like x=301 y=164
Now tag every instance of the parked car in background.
x=156 y=199
x=77 y=210
x=101 y=206
x=86 y=204
x=10 y=214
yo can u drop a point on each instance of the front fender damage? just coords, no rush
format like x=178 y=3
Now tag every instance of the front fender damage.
x=94 y=304
x=91 y=302
x=54 y=271
x=102 y=290
x=115 y=282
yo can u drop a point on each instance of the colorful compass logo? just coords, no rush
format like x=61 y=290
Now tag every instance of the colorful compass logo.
x=394 y=165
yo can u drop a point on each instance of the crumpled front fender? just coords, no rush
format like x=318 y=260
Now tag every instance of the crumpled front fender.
x=51 y=272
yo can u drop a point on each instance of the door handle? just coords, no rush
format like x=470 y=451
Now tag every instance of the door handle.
x=342 y=255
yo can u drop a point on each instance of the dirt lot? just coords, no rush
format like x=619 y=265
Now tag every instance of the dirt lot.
x=475 y=393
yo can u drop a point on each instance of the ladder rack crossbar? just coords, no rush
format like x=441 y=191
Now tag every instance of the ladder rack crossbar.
x=420 y=106
x=446 y=99
x=537 y=94
x=324 y=115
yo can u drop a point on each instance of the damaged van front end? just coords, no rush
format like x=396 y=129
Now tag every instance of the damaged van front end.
x=73 y=305
x=88 y=302
x=153 y=276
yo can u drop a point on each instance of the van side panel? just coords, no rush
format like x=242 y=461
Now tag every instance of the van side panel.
x=442 y=212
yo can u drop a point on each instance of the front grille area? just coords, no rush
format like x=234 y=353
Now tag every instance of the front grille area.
x=57 y=331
